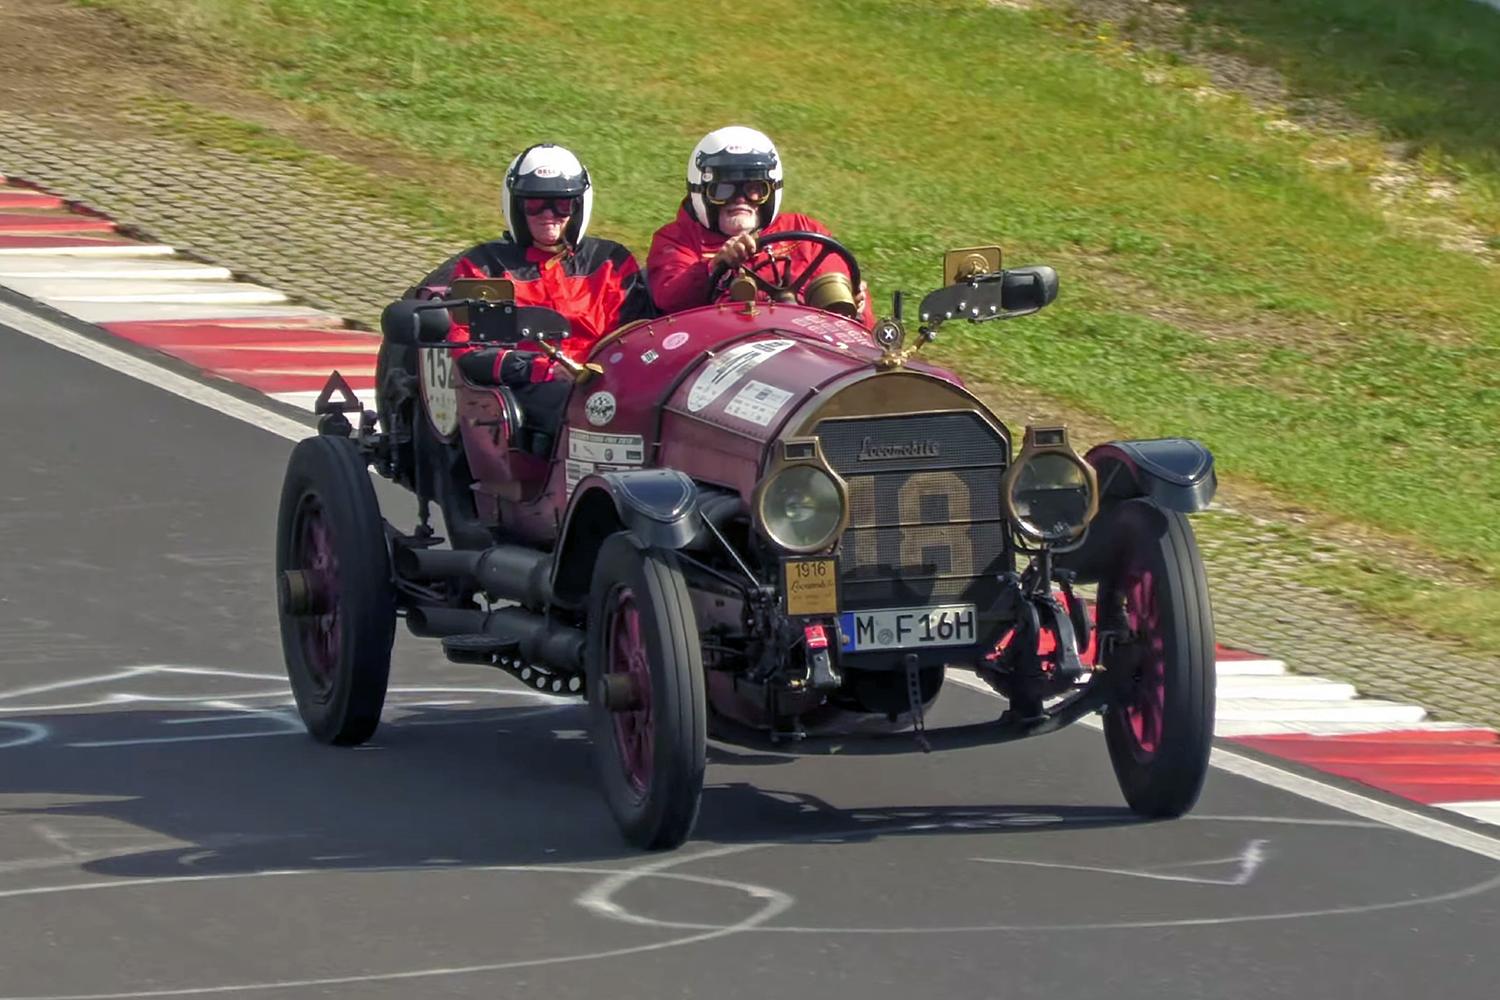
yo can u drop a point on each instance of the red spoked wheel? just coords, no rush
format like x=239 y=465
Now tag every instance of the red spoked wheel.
x=646 y=695
x=334 y=594
x=628 y=664
x=1159 y=724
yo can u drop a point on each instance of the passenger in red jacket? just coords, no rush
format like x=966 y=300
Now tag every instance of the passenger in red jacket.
x=734 y=181
x=546 y=199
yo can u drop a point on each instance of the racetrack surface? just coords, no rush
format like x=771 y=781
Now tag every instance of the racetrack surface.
x=165 y=828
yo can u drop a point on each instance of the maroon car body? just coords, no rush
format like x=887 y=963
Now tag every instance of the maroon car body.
x=760 y=520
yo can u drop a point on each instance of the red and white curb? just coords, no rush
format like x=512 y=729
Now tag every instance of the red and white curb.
x=79 y=263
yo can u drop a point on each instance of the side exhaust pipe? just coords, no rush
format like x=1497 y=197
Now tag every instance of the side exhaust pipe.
x=504 y=572
x=540 y=640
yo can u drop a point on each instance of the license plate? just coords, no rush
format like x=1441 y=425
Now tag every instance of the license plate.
x=905 y=628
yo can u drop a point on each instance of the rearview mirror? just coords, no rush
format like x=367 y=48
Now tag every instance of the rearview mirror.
x=409 y=322
x=1010 y=293
x=1027 y=289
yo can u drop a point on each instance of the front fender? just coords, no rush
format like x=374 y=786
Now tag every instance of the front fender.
x=658 y=506
x=1177 y=473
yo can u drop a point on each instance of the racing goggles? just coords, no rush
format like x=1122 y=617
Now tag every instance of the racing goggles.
x=756 y=192
x=561 y=207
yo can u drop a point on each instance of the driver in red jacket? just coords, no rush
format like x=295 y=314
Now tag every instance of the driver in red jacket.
x=734 y=179
x=546 y=199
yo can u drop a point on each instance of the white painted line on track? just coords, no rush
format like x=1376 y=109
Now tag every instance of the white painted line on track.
x=145 y=371
x=1406 y=820
x=1394 y=816
x=93 y=250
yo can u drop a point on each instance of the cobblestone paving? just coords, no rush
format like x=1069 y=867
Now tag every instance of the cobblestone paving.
x=287 y=226
x=277 y=223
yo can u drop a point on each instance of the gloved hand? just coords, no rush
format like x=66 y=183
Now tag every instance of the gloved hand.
x=494 y=366
x=515 y=367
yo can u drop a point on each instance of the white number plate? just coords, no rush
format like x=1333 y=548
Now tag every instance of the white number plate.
x=903 y=628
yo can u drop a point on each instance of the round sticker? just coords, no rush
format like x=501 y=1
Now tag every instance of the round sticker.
x=600 y=408
x=440 y=391
x=616 y=357
x=674 y=340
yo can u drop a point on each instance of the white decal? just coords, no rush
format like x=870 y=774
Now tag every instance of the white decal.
x=590 y=452
x=728 y=368
x=757 y=403
x=623 y=449
x=674 y=340
x=831 y=329
x=649 y=357
x=600 y=408
x=440 y=389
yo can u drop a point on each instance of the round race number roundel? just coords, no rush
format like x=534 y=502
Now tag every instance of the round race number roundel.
x=600 y=408
x=440 y=390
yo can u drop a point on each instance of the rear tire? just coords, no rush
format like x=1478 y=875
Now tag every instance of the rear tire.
x=330 y=534
x=650 y=760
x=1159 y=726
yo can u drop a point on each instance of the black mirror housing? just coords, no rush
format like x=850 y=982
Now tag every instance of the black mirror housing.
x=1027 y=289
x=409 y=322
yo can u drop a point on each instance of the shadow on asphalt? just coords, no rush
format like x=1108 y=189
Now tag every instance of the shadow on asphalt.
x=441 y=788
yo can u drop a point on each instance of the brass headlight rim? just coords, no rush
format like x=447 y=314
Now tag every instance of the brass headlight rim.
x=1029 y=450
x=777 y=468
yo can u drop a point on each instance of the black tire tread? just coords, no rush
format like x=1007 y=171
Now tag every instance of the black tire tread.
x=332 y=466
x=1170 y=784
x=668 y=815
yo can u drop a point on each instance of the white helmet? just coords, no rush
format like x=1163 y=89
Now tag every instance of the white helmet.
x=730 y=154
x=545 y=171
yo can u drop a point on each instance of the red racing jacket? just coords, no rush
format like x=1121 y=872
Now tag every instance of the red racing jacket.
x=680 y=263
x=598 y=286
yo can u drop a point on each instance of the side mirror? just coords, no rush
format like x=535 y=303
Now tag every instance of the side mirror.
x=1027 y=289
x=1014 y=292
x=409 y=322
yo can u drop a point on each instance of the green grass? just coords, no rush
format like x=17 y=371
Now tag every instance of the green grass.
x=1426 y=70
x=1216 y=282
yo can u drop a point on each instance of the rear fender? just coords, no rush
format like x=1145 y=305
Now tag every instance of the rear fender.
x=658 y=506
x=1177 y=473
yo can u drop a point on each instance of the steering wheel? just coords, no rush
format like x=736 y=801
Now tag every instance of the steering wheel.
x=791 y=290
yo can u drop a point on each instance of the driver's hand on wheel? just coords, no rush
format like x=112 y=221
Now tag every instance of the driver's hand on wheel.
x=736 y=251
x=860 y=296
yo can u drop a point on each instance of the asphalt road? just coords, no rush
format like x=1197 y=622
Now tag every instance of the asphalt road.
x=166 y=829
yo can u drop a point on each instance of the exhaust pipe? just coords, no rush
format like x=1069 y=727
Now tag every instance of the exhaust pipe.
x=503 y=572
x=541 y=641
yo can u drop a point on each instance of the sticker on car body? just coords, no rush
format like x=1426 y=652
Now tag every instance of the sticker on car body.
x=757 y=403
x=600 y=408
x=672 y=341
x=722 y=372
x=590 y=452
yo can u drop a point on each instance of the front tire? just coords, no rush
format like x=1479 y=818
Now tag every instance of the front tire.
x=643 y=639
x=1159 y=726
x=336 y=600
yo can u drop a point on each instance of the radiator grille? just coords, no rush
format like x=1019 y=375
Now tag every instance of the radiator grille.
x=925 y=522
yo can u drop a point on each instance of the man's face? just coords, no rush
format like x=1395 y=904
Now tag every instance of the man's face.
x=546 y=218
x=737 y=216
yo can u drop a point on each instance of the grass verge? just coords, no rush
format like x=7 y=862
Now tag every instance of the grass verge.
x=1225 y=276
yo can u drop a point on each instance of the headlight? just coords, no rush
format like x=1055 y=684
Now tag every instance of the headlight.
x=1050 y=493
x=801 y=507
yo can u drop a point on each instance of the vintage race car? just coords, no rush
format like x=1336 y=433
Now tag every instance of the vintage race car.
x=758 y=521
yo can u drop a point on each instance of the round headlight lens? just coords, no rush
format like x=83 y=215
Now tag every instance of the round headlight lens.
x=1050 y=497
x=802 y=508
